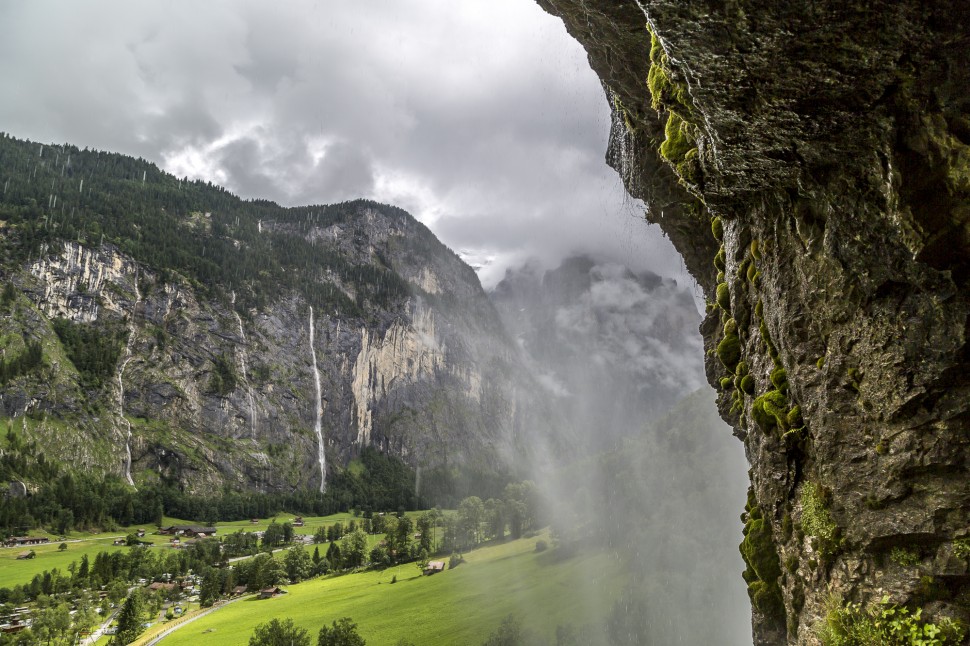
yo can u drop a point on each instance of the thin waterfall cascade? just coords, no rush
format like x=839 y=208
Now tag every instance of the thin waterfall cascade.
x=318 y=418
x=121 y=383
x=245 y=373
x=622 y=145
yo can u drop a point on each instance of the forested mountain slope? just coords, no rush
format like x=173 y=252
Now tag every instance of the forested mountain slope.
x=159 y=328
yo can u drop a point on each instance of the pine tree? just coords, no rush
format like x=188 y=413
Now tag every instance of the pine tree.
x=129 y=619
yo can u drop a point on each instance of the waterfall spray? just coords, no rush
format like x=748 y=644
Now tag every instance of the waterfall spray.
x=318 y=418
x=121 y=384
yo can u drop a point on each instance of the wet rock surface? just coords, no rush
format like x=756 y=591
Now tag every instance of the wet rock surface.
x=828 y=143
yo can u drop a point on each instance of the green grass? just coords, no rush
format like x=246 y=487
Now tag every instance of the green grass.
x=311 y=523
x=460 y=606
x=48 y=557
x=14 y=572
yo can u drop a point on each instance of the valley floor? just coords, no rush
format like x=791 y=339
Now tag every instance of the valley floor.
x=458 y=606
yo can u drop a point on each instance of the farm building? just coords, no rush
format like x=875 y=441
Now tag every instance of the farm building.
x=27 y=540
x=268 y=593
x=434 y=566
x=188 y=530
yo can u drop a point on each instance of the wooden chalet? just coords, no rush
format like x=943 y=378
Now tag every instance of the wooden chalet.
x=27 y=540
x=188 y=530
x=298 y=521
x=158 y=585
x=13 y=627
x=26 y=554
x=239 y=590
x=269 y=593
x=434 y=567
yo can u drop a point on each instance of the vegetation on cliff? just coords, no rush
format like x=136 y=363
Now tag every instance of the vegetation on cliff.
x=191 y=228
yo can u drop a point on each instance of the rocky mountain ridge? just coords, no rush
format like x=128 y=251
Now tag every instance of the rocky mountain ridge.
x=810 y=163
x=152 y=369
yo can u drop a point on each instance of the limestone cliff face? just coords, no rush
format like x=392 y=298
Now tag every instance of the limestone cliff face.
x=810 y=161
x=210 y=393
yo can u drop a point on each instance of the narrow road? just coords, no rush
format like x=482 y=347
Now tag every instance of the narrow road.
x=96 y=635
x=171 y=630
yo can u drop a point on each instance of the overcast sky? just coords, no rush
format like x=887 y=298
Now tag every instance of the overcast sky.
x=480 y=117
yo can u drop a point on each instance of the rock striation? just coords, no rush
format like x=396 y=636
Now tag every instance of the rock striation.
x=811 y=161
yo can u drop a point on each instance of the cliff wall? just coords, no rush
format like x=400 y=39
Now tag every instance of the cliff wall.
x=148 y=374
x=810 y=161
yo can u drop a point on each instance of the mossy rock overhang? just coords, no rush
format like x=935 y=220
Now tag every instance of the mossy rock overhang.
x=833 y=142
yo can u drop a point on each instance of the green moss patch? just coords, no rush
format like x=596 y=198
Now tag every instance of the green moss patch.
x=724 y=297
x=680 y=134
x=719 y=260
x=747 y=385
x=729 y=350
x=761 y=558
x=779 y=379
x=717 y=229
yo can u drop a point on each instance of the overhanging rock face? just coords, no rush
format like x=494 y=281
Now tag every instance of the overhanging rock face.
x=811 y=161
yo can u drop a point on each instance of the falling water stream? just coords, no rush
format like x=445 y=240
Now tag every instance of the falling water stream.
x=245 y=374
x=121 y=383
x=622 y=145
x=318 y=419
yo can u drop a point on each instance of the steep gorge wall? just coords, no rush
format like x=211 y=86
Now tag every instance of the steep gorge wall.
x=811 y=161
x=216 y=396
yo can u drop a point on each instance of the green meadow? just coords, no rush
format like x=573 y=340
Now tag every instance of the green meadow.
x=49 y=557
x=16 y=572
x=459 y=606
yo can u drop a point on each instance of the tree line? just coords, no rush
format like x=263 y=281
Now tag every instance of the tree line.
x=65 y=500
x=193 y=229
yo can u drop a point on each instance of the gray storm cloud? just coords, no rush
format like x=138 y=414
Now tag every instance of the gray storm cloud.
x=481 y=118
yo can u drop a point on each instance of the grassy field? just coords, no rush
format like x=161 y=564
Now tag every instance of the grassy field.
x=14 y=572
x=460 y=606
x=48 y=557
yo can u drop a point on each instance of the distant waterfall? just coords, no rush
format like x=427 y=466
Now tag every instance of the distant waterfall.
x=121 y=384
x=318 y=420
x=245 y=374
